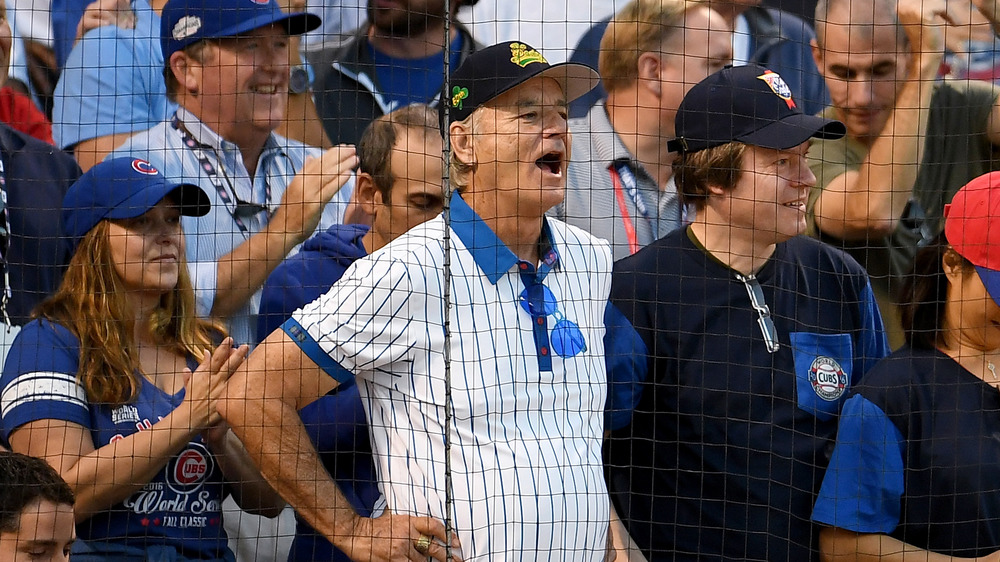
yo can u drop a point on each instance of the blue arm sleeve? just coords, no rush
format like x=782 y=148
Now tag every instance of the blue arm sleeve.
x=39 y=379
x=627 y=365
x=863 y=486
x=314 y=352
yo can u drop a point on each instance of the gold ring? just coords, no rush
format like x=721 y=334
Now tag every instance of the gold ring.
x=423 y=544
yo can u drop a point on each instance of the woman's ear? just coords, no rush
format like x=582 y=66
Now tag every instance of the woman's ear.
x=953 y=265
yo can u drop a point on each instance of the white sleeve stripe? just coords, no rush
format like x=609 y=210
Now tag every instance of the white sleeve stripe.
x=42 y=385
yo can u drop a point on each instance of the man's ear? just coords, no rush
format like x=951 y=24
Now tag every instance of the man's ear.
x=817 y=54
x=461 y=142
x=650 y=72
x=184 y=72
x=367 y=193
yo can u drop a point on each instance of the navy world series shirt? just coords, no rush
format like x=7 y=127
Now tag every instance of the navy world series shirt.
x=719 y=445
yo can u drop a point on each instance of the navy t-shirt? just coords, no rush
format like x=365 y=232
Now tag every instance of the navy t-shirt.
x=917 y=456
x=723 y=446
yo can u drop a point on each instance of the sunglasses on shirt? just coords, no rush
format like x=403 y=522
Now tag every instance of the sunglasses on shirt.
x=764 y=319
x=566 y=336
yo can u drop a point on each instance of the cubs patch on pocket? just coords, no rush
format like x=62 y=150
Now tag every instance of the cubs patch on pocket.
x=823 y=371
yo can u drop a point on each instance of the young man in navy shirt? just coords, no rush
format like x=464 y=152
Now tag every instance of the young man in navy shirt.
x=751 y=334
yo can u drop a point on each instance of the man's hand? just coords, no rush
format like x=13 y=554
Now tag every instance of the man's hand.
x=991 y=11
x=923 y=22
x=394 y=537
x=105 y=12
x=311 y=189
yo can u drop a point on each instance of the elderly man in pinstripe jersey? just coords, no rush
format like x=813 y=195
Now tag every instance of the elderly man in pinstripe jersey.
x=505 y=450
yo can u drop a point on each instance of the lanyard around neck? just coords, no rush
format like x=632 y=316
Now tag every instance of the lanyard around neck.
x=4 y=243
x=624 y=181
x=232 y=203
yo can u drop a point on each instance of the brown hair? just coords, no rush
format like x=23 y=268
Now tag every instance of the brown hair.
x=91 y=303
x=924 y=296
x=695 y=172
x=24 y=479
x=379 y=138
x=642 y=26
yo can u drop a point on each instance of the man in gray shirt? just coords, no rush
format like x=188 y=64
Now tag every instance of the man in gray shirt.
x=619 y=180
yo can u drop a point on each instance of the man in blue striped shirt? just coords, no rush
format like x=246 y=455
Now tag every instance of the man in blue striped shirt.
x=483 y=379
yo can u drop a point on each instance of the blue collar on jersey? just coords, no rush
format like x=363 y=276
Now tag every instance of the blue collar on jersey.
x=490 y=254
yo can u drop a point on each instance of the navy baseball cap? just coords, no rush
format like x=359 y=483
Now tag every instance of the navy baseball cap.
x=185 y=22
x=969 y=227
x=489 y=72
x=123 y=188
x=748 y=104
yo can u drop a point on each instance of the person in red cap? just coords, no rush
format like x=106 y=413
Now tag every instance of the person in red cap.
x=913 y=470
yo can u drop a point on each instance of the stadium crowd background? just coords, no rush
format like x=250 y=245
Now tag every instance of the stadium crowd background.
x=912 y=80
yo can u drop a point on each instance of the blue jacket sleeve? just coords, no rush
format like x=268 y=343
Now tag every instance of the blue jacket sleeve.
x=627 y=365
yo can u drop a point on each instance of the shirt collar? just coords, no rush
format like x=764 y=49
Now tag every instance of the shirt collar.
x=205 y=136
x=489 y=252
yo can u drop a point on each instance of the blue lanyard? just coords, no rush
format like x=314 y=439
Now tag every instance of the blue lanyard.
x=4 y=243
x=198 y=149
x=624 y=181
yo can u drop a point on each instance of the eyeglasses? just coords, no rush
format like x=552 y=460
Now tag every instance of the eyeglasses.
x=764 y=319
x=246 y=208
x=566 y=339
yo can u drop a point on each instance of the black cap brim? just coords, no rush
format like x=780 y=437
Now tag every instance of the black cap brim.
x=575 y=79
x=794 y=130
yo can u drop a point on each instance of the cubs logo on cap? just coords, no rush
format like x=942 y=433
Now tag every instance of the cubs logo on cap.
x=144 y=167
x=124 y=188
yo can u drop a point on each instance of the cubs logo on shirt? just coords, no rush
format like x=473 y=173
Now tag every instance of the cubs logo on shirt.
x=827 y=378
x=188 y=470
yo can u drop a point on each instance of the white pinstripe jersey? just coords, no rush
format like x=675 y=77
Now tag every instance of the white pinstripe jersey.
x=526 y=442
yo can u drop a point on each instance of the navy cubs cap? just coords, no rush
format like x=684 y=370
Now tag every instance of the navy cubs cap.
x=969 y=226
x=489 y=72
x=185 y=22
x=748 y=104
x=123 y=188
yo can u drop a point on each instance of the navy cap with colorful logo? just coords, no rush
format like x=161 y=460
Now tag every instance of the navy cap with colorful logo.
x=124 y=188
x=748 y=104
x=185 y=22
x=489 y=72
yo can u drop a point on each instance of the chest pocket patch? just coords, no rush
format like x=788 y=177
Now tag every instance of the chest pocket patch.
x=823 y=371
